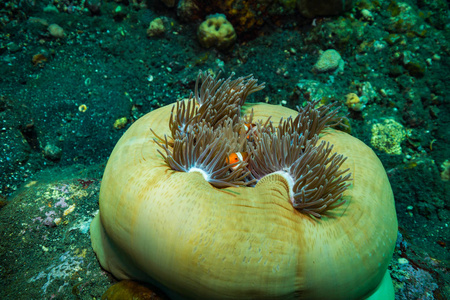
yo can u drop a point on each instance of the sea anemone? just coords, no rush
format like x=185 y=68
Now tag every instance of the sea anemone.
x=285 y=221
x=208 y=128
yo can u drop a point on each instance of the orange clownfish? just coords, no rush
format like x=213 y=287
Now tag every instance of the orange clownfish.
x=236 y=157
x=248 y=127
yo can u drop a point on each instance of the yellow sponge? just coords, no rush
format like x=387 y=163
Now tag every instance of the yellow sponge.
x=216 y=31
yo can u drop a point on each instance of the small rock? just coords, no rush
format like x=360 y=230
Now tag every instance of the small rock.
x=127 y=289
x=52 y=152
x=367 y=15
x=120 y=123
x=402 y=261
x=329 y=61
x=56 y=31
x=156 y=27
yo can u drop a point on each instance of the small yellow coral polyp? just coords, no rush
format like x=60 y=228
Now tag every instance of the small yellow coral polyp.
x=388 y=136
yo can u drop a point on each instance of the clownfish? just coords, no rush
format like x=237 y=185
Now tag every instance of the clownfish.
x=236 y=157
x=248 y=127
